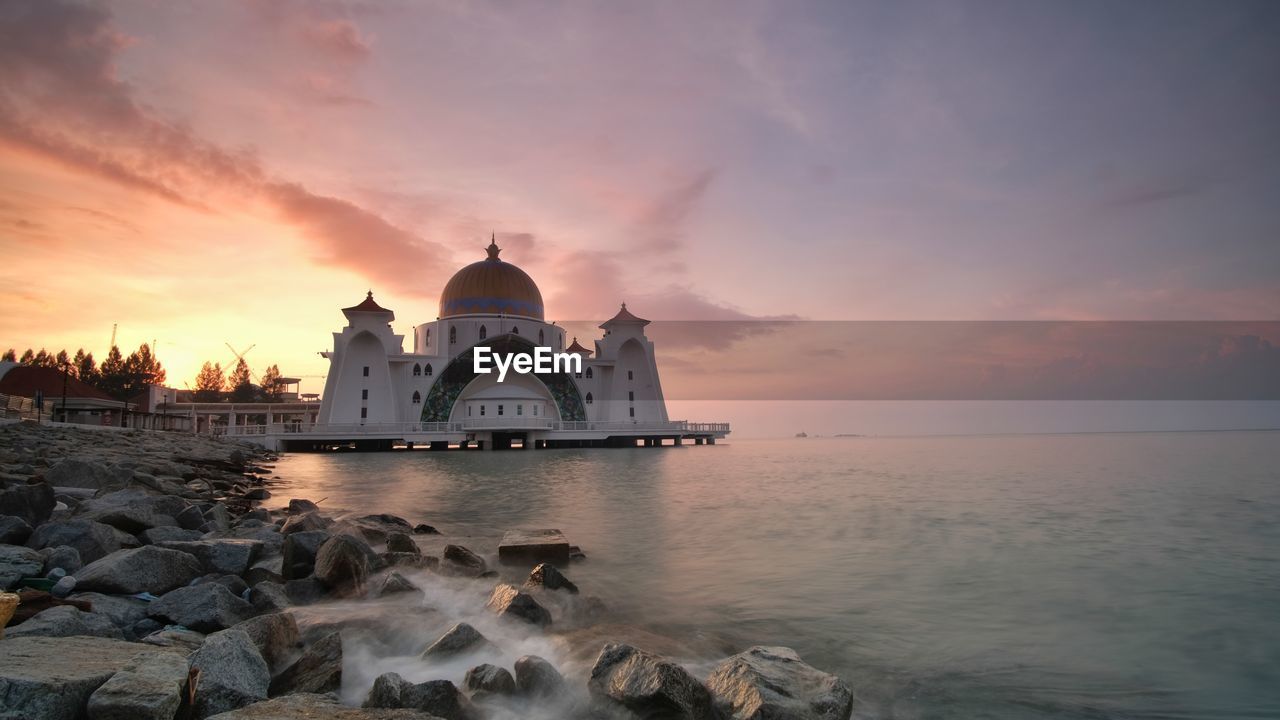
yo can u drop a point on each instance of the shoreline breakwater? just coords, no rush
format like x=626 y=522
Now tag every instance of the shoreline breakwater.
x=159 y=577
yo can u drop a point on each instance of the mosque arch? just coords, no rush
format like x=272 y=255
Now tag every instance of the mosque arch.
x=438 y=404
x=427 y=370
x=417 y=397
x=484 y=332
x=417 y=369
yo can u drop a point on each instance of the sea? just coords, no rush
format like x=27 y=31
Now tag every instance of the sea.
x=1111 y=575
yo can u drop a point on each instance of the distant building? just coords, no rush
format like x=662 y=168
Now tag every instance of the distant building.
x=85 y=405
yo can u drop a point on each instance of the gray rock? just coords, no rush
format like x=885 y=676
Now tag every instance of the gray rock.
x=412 y=560
x=318 y=670
x=509 y=602
x=457 y=640
x=304 y=522
x=264 y=569
x=31 y=502
x=489 y=679
x=424 y=529
x=133 y=510
x=258 y=494
x=773 y=682
x=149 y=687
x=232 y=673
x=232 y=583
x=52 y=678
x=299 y=506
x=93 y=540
x=219 y=516
x=205 y=608
x=190 y=519
x=145 y=569
x=546 y=576
x=401 y=542
x=460 y=560
x=175 y=638
x=18 y=562
x=375 y=528
x=648 y=685
x=73 y=472
x=342 y=564
x=259 y=514
x=298 y=553
x=142 y=628
x=309 y=706
x=123 y=611
x=395 y=583
x=14 y=530
x=268 y=597
x=62 y=556
x=65 y=621
x=225 y=557
x=305 y=591
x=536 y=677
x=63 y=586
x=275 y=635
x=438 y=697
x=157 y=535
x=270 y=538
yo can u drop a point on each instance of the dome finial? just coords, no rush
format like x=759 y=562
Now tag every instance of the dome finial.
x=493 y=248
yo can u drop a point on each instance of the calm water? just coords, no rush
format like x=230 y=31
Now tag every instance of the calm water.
x=1056 y=576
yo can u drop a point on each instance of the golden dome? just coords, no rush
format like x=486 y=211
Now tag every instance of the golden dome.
x=491 y=287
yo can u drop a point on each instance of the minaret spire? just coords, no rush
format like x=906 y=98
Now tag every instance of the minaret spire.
x=493 y=248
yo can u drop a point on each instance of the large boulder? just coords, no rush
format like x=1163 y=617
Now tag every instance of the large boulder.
x=773 y=682
x=275 y=635
x=509 y=602
x=310 y=706
x=93 y=540
x=457 y=640
x=149 y=687
x=546 y=577
x=65 y=621
x=648 y=685
x=268 y=597
x=536 y=677
x=145 y=569
x=33 y=502
x=400 y=542
x=438 y=697
x=530 y=547
x=342 y=564
x=232 y=673
x=374 y=528
x=394 y=583
x=204 y=608
x=51 y=678
x=298 y=553
x=14 y=530
x=157 y=535
x=225 y=557
x=18 y=562
x=73 y=472
x=304 y=523
x=318 y=670
x=124 y=611
x=133 y=510
x=458 y=560
x=62 y=556
x=490 y=679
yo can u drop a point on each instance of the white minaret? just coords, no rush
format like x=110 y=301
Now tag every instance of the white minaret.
x=359 y=388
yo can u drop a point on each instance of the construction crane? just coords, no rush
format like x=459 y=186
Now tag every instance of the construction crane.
x=113 y=337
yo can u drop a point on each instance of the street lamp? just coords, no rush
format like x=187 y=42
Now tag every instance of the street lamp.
x=66 y=373
x=164 y=424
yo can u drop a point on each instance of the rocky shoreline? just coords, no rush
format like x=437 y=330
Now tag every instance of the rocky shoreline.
x=159 y=578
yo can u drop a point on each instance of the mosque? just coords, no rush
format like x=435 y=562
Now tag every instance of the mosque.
x=432 y=393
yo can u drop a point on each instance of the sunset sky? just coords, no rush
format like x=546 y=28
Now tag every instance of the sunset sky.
x=211 y=172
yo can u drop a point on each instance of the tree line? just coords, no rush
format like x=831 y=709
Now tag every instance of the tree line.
x=123 y=377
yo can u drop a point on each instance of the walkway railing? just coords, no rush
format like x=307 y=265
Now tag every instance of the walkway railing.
x=471 y=424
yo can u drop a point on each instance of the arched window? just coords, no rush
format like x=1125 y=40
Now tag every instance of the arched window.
x=588 y=398
x=515 y=330
x=453 y=334
x=540 y=342
x=588 y=373
x=417 y=397
x=483 y=332
x=428 y=340
x=417 y=369
x=427 y=372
